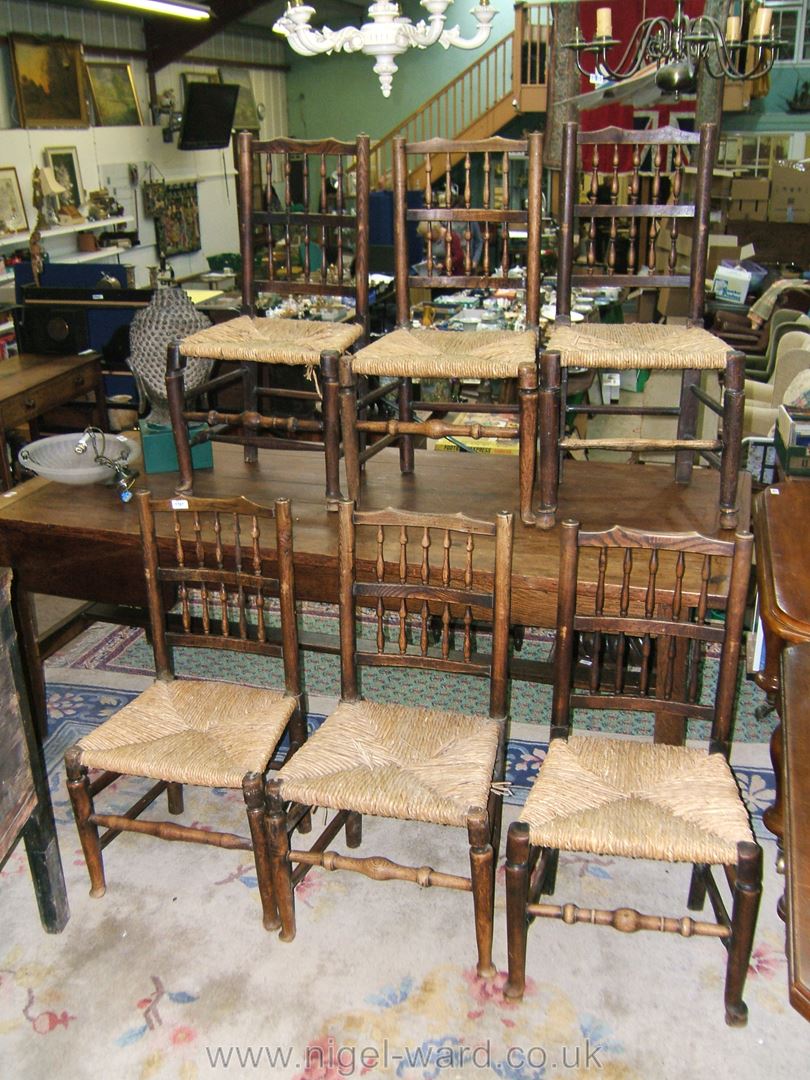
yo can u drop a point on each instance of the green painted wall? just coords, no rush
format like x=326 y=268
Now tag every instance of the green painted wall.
x=340 y=95
x=771 y=113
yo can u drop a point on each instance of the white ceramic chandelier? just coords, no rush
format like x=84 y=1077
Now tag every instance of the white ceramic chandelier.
x=387 y=35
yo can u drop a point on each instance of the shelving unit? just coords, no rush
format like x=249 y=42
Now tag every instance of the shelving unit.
x=14 y=239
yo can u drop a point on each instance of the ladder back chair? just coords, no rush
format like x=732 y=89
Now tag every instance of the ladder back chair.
x=638 y=799
x=482 y=211
x=212 y=555
x=405 y=762
x=318 y=253
x=602 y=156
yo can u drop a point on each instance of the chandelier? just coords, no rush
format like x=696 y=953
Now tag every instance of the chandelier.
x=679 y=45
x=387 y=35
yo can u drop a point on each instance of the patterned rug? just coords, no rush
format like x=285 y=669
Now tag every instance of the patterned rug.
x=171 y=975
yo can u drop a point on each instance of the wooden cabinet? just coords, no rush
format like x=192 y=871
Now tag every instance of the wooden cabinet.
x=25 y=801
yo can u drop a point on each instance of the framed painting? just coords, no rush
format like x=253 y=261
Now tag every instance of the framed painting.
x=113 y=91
x=13 y=218
x=49 y=82
x=64 y=160
x=187 y=77
x=246 y=117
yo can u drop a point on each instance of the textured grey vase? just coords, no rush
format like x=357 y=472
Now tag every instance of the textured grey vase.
x=169 y=316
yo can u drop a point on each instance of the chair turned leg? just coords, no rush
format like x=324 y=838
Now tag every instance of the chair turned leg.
x=280 y=868
x=747 y=892
x=348 y=422
x=175 y=394
x=253 y=791
x=697 y=887
x=549 y=880
x=354 y=830
x=549 y=423
x=331 y=426
x=527 y=439
x=482 y=873
x=174 y=798
x=405 y=401
x=517 y=897
x=250 y=404
x=79 y=790
x=731 y=459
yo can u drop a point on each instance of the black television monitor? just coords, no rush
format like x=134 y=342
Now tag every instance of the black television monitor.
x=208 y=116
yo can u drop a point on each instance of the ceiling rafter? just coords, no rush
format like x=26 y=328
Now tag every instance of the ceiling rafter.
x=163 y=49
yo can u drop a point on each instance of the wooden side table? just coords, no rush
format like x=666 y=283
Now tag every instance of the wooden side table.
x=25 y=801
x=31 y=384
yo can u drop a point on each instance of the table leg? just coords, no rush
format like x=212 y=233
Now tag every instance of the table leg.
x=42 y=848
x=33 y=674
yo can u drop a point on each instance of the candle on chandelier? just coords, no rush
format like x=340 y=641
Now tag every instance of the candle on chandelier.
x=604 y=23
x=733 y=28
x=762 y=22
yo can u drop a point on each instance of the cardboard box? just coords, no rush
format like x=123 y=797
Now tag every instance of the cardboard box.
x=750 y=189
x=790 y=193
x=673 y=303
x=795 y=460
x=748 y=210
x=731 y=283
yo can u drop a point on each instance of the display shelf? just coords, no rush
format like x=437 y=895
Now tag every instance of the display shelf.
x=94 y=256
x=84 y=226
x=12 y=239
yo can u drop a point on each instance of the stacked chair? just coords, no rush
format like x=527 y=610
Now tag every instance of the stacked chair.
x=408 y=354
x=310 y=252
x=690 y=349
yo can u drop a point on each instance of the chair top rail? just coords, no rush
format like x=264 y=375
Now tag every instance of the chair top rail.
x=621 y=537
x=452 y=522
x=652 y=137
x=306 y=146
x=496 y=144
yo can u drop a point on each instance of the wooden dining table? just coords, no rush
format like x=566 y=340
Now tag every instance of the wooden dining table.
x=83 y=542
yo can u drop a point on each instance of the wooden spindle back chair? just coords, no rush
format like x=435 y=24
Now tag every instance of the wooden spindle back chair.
x=213 y=582
x=636 y=799
x=307 y=237
x=483 y=175
x=406 y=761
x=628 y=164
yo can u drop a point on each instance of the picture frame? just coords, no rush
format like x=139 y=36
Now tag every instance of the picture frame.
x=246 y=117
x=64 y=160
x=48 y=78
x=187 y=77
x=112 y=89
x=13 y=218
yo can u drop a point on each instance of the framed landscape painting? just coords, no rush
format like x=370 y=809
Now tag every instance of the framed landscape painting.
x=13 y=218
x=64 y=160
x=246 y=117
x=113 y=90
x=49 y=81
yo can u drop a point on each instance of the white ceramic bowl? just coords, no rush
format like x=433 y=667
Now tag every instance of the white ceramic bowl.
x=55 y=458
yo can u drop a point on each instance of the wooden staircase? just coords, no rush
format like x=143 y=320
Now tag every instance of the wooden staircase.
x=508 y=79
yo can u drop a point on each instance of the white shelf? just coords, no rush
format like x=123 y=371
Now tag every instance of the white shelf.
x=93 y=256
x=12 y=239
x=84 y=226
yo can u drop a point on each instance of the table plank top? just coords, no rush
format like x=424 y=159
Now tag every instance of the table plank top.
x=19 y=374
x=781 y=524
x=83 y=542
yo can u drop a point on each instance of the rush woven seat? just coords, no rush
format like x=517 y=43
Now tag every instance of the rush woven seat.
x=637 y=345
x=303 y=214
x=630 y=226
x=396 y=761
x=208 y=587
x=648 y=618
x=434 y=354
x=637 y=800
x=192 y=732
x=407 y=762
x=469 y=243
x=271 y=341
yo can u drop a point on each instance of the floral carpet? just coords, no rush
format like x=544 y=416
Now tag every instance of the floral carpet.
x=171 y=975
